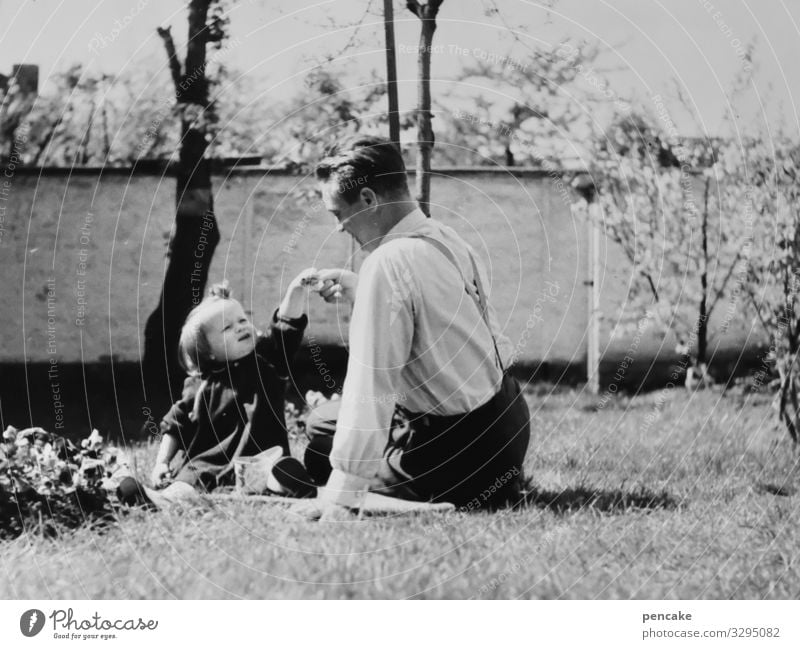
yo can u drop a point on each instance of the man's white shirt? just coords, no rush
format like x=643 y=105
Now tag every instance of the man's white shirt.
x=417 y=339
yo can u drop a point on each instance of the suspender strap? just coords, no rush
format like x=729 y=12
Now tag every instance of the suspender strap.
x=476 y=293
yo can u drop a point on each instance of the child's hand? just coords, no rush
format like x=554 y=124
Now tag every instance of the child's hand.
x=307 y=279
x=293 y=305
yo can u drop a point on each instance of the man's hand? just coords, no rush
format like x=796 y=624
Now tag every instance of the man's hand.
x=322 y=511
x=160 y=475
x=338 y=284
x=332 y=505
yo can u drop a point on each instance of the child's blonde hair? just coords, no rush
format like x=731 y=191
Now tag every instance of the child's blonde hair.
x=193 y=348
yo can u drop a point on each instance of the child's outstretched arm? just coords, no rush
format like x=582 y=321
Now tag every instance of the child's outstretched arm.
x=294 y=302
x=289 y=322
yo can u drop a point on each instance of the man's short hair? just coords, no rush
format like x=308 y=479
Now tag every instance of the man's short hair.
x=364 y=161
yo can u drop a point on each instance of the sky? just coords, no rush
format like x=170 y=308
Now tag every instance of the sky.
x=648 y=47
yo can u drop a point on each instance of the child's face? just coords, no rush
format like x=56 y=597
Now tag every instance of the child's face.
x=229 y=332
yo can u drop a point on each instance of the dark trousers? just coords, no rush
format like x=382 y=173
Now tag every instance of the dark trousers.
x=472 y=460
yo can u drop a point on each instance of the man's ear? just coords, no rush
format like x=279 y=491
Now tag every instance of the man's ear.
x=369 y=197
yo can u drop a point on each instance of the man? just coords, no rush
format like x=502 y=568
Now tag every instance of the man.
x=422 y=339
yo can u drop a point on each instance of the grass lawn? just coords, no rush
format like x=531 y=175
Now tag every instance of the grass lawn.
x=668 y=495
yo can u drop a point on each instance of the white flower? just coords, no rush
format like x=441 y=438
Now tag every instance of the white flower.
x=314 y=398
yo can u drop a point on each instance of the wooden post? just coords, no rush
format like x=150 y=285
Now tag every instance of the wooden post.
x=426 y=12
x=391 y=72
x=593 y=338
x=584 y=185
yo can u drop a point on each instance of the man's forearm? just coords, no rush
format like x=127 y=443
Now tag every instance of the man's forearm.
x=380 y=344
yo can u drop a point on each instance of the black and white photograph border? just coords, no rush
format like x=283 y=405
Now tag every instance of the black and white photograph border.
x=382 y=299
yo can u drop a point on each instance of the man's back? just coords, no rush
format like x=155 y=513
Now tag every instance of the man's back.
x=447 y=364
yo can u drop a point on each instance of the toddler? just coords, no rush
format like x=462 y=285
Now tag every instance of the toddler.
x=233 y=400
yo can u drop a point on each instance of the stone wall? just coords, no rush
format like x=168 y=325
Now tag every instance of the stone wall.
x=84 y=254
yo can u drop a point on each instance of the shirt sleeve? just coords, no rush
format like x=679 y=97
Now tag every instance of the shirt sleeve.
x=178 y=422
x=281 y=343
x=381 y=332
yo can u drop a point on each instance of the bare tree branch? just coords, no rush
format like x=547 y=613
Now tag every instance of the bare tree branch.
x=172 y=56
x=351 y=41
x=757 y=310
x=415 y=8
x=652 y=284
x=47 y=141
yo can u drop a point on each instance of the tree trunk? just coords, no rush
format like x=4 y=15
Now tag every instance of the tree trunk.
x=425 y=139
x=787 y=397
x=509 y=154
x=106 y=140
x=194 y=235
x=83 y=149
x=702 y=319
x=790 y=381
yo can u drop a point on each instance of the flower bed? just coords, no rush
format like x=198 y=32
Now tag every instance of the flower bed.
x=48 y=484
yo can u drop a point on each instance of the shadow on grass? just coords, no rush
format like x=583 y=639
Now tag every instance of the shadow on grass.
x=609 y=501
x=617 y=405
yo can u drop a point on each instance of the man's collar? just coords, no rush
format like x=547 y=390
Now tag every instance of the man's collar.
x=408 y=224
